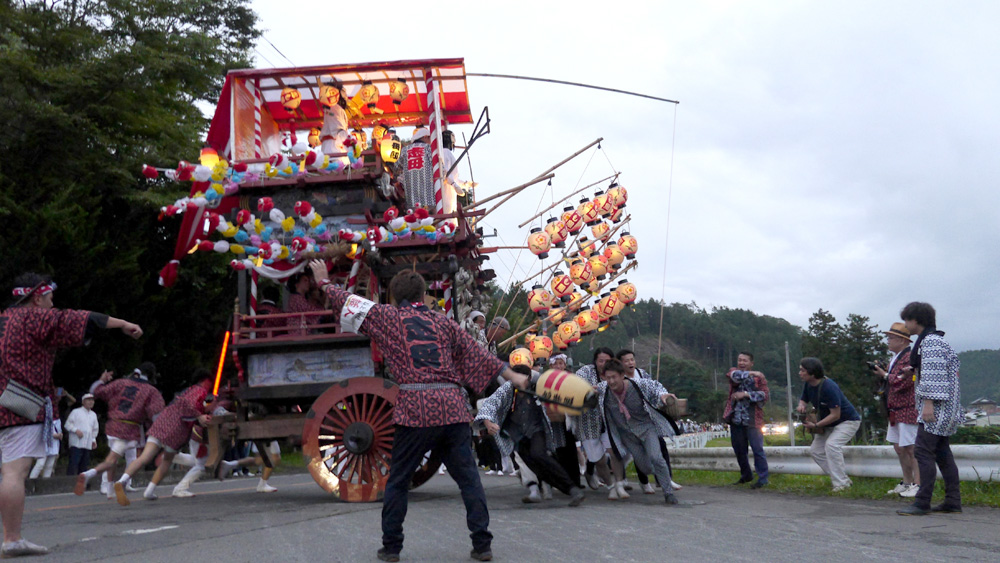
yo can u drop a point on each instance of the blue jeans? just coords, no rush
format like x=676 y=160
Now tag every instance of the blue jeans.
x=454 y=442
x=79 y=461
x=749 y=435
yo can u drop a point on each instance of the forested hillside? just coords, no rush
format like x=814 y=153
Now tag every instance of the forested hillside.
x=980 y=375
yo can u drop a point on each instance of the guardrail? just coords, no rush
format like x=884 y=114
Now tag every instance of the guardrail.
x=975 y=462
x=695 y=440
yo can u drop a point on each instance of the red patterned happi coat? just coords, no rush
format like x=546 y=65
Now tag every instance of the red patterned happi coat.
x=131 y=404
x=420 y=346
x=173 y=427
x=29 y=338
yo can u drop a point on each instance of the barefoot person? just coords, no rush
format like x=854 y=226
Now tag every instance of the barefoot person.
x=31 y=331
x=170 y=431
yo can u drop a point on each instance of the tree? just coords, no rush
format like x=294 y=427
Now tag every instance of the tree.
x=89 y=91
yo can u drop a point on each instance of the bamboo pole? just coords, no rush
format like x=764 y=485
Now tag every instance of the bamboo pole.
x=613 y=176
x=514 y=190
x=572 y=156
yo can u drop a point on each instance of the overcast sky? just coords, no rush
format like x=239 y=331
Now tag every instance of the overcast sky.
x=841 y=155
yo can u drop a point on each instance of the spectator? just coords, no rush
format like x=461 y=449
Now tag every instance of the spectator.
x=82 y=428
x=745 y=414
x=44 y=465
x=836 y=425
x=902 y=431
x=938 y=397
x=298 y=302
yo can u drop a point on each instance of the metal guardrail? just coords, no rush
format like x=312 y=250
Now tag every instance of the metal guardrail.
x=695 y=440
x=975 y=462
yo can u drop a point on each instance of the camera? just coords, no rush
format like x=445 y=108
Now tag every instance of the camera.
x=874 y=365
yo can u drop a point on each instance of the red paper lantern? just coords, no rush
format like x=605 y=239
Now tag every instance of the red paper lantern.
x=570 y=332
x=539 y=243
x=628 y=245
x=329 y=96
x=539 y=300
x=290 y=99
x=581 y=272
x=572 y=219
x=587 y=320
x=557 y=231
x=562 y=286
x=540 y=348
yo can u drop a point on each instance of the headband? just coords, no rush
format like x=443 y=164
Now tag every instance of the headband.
x=42 y=289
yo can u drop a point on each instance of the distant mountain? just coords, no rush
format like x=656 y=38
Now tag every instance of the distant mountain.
x=980 y=375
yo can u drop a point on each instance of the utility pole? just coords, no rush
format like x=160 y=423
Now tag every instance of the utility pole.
x=788 y=377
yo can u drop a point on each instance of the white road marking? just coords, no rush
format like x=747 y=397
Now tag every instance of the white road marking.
x=141 y=531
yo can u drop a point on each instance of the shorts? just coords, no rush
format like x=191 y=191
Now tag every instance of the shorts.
x=902 y=434
x=21 y=441
x=120 y=446
x=595 y=448
x=164 y=447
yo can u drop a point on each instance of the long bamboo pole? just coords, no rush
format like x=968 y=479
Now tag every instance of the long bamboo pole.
x=542 y=212
x=513 y=190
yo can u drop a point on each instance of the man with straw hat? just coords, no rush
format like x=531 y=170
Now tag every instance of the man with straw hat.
x=902 y=431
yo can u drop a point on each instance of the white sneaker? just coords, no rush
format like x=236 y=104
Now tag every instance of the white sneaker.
x=513 y=473
x=620 y=485
x=491 y=472
x=593 y=482
x=911 y=491
x=183 y=493
x=546 y=491
x=612 y=492
x=104 y=488
x=149 y=495
x=131 y=489
x=441 y=470
x=648 y=489
x=263 y=487
x=675 y=486
x=533 y=496
x=21 y=548
x=899 y=488
x=841 y=488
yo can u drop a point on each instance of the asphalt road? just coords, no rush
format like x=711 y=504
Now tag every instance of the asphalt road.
x=231 y=522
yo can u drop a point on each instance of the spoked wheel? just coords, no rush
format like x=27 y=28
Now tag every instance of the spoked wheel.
x=348 y=438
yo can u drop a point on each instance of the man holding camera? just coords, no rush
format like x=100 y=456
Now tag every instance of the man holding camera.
x=938 y=396
x=902 y=432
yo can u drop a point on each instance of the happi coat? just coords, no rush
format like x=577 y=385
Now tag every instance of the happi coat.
x=132 y=403
x=173 y=426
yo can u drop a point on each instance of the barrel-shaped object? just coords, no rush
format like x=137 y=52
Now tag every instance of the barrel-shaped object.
x=568 y=392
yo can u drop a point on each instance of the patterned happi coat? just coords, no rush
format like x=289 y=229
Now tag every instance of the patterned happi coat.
x=588 y=425
x=29 y=338
x=651 y=391
x=900 y=400
x=173 y=427
x=414 y=169
x=132 y=403
x=736 y=411
x=497 y=406
x=937 y=380
x=423 y=347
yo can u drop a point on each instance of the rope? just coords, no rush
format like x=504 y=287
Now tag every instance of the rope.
x=663 y=286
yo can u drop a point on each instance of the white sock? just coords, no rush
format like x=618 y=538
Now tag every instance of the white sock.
x=125 y=479
x=149 y=488
x=89 y=474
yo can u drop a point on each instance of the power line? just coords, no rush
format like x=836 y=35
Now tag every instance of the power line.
x=278 y=51
x=567 y=83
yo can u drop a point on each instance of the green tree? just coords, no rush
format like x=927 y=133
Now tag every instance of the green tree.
x=89 y=92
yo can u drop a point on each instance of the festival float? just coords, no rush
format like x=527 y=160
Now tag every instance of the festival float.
x=313 y=162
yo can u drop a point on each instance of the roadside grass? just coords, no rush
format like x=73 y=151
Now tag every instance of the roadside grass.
x=974 y=493
x=291 y=462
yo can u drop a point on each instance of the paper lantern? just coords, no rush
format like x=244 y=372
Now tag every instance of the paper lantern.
x=593 y=286
x=628 y=245
x=398 y=91
x=209 y=157
x=290 y=99
x=562 y=286
x=378 y=132
x=587 y=247
x=581 y=272
x=539 y=243
x=313 y=138
x=520 y=357
x=616 y=215
x=557 y=341
x=607 y=305
x=570 y=332
x=329 y=96
x=614 y=255
x=368 y=94
x=587 y=211
x=600 y=231
x=539 y=300
x=575 y=300
x=587 y=321
x=571 y=218
x=598 y=266
x=390 y=148
x=540 y=348
x=565 y=392
x=619 y=304
x=626 y=292
x=618 y=195
x=557 y=314
x=557 y=231
x=603 y=204
x=360 y=137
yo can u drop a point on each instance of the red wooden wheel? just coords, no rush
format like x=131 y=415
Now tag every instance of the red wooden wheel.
x=348 y=438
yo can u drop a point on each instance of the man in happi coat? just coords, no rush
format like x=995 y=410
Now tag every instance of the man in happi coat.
x=431 y=358
x=31 y=331
x=133 y=402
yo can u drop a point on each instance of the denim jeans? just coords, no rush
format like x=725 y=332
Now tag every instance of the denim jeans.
x=933 y=452
x=741 y=437
x=454 y=442
x=79 y=461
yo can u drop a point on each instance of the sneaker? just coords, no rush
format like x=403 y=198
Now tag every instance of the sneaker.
x=481 y=555
x=841 y=488
x=225 y=469
x=648 y=489
x=628 y=486
x=675 y=486
x=613 y=492
x=576 y=495
x=620 y=485
x=593 y=482
x=263 y=487
x=546 y=491
x=104 y=488
x=384 y=555
x=947 y=508
x=21 y=548
x=899 y=488
x=532 y=498
x=183 y=493
x=149 y=495
x=513 y=473
x=131 y=489
x=81 y=485
x=742 y=481
x=911 y=491
x=913 y=511
x=671 y=498
x=491 y=472
x=758 y=485
x=441 y=470
x=120 y=494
